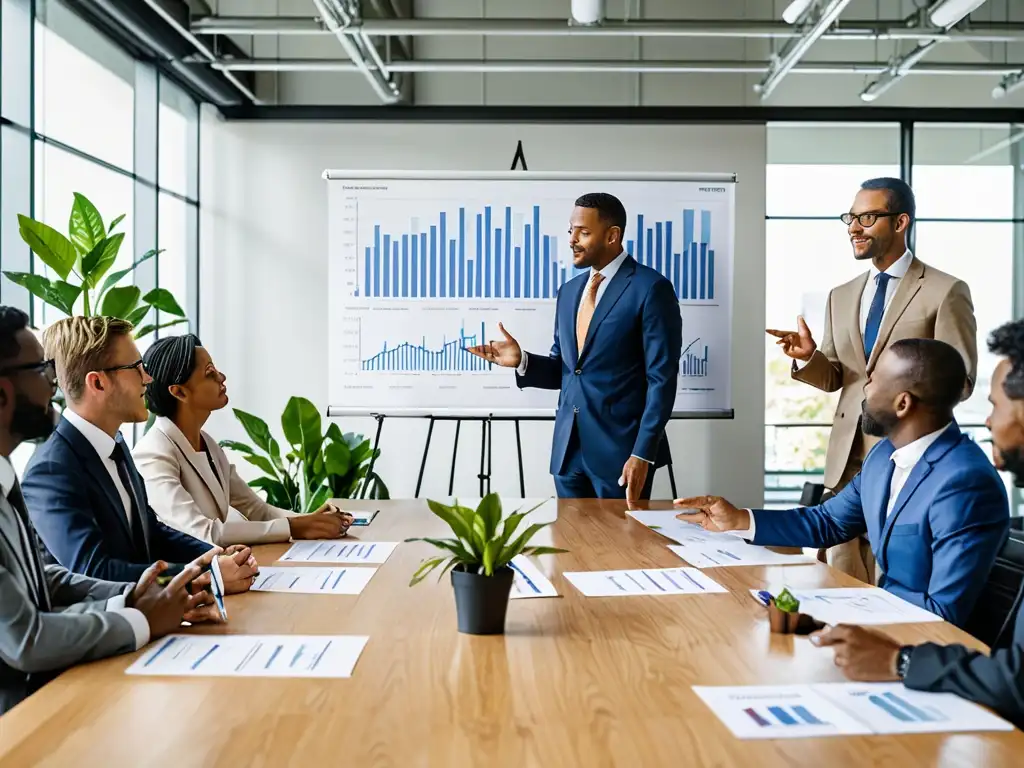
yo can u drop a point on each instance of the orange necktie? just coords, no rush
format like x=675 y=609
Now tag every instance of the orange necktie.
x=586 y=312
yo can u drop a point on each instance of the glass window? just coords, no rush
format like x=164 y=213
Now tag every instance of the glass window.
x=59 y=174
x=84 y=94
x=172 y=265
x=982 y=255
x=179 y=140
x=963 y=172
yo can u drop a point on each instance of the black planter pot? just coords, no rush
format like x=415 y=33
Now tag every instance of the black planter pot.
x=482 y=601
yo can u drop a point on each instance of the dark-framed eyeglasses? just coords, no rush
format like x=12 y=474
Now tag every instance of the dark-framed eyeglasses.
x=866 y=219
x=46 y=367
x=137 y=365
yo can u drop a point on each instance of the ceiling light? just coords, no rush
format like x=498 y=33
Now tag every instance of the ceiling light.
x=1008 y=85
x=946 y=13
x=795 y=10
x=587 y=11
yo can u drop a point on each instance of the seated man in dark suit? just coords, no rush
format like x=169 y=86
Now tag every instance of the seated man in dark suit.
x=51 y=619
x=932 y=505
x=87 y=499
x=995 y=680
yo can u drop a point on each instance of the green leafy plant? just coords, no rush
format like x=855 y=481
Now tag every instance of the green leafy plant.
x=787 y=602
x=483 y=543
x=319 y=466
x=87 y=253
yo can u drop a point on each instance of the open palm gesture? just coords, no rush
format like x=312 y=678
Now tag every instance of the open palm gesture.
x=505 y=352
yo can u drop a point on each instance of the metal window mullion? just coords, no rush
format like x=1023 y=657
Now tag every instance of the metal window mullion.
x=145 y=187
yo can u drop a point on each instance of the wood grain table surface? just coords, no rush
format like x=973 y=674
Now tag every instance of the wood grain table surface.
x=574 y=681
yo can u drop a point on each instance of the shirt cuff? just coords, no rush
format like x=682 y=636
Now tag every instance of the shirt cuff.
x=521 y=368
x=135 y=617
x=747 y=534
x=641 y=458
x=799 y=365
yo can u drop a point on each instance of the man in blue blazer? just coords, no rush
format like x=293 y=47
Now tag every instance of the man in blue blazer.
x=85 y=496
x=995 y=680
x=932 y=505
x=615 y=358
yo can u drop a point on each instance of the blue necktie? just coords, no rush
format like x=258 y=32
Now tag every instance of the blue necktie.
x=875 y=313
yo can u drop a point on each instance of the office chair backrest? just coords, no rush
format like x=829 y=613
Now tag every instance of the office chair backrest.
x=993 y=616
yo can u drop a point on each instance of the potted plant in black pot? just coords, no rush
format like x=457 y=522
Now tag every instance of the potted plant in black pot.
x=478 y=559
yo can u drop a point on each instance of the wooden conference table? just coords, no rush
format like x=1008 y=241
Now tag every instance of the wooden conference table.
x=575 y=681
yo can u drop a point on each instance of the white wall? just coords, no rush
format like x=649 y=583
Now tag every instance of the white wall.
x=265 y=312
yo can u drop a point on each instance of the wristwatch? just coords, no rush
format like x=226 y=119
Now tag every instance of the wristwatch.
x=903 y=660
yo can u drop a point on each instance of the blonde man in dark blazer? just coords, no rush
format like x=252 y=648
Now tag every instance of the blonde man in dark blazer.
x=899 y=297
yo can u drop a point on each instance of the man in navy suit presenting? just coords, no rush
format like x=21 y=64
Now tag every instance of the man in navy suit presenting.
x=615 y=358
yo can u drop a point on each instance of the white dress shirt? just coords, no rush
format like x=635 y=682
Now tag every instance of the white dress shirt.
x=135 y=617
x=103 y=444
x=904 y=458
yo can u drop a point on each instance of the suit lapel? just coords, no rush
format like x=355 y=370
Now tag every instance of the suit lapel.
x=905 y=291
x=921 y=470
x=611 y=295
x=853 y=315
x=201 y=468
x=96 y=469
x=20 y=539
x=570 y=320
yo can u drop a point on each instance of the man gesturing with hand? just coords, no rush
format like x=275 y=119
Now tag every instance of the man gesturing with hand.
x=899 y=297
x=615 y=358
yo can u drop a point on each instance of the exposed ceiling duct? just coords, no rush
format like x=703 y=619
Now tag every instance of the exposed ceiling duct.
x=946 y=13
x=897 y=70
x=337 y=17
x=819 y=20
x=894 y=29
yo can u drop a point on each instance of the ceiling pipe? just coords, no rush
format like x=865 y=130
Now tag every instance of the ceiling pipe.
x=200 y=46
x=896 y=71
x=587 y=11
x=1011 y=82
x=569 y=65
x=851 y=30
x=794 y=50
x=337 y=19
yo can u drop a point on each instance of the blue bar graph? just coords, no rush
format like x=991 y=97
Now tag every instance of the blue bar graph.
x=901 y=709
x=450 y=356
x=508 y=256
x=793 y=715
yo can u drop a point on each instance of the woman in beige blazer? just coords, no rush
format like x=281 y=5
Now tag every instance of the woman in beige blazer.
x=190 y=482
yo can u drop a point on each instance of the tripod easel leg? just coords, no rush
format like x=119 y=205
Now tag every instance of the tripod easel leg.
x=423 y=461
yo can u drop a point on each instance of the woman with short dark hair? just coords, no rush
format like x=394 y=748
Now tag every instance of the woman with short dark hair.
x=190 y=482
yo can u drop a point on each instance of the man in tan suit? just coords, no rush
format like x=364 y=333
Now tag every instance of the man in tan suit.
x=900 y=297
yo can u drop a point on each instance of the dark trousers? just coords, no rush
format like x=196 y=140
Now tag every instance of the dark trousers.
x=579 y=481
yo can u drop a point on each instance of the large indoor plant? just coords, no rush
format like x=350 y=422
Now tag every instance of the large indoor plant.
x=319 y=466
x=478 y=559
x=80 y=263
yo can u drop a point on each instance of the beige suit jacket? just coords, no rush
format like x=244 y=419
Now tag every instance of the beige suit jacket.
x=221 y=509
x=927 y=304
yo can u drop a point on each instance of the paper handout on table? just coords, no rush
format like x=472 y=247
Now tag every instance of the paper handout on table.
x=342 y=551
x=777 y=712
x=664 y=521
x=706 y=549
x=841 y=709
x=252 y=656
x=648 y=581
x=858 y=605
x=314 y=581
x=528 y=580
x=892 y=708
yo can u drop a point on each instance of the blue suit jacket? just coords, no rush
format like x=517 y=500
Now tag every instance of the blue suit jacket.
x=939 y=543
x=620 y=388
x=78 y=513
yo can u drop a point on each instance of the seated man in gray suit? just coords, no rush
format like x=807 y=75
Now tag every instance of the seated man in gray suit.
x=995 y=680
x=50 y=618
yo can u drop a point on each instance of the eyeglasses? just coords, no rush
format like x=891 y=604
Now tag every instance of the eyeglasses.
x=47 y=367
x=865 y=219
x=137 y=365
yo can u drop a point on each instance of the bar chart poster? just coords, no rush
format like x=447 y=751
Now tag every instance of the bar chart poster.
x=422 y=266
